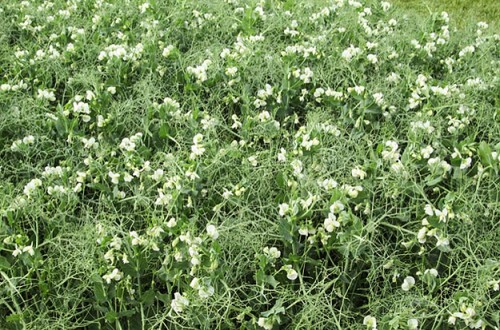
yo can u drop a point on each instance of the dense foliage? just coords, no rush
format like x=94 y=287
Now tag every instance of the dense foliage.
x=247 y=164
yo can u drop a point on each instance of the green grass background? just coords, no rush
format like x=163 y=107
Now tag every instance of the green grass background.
x=461 y=12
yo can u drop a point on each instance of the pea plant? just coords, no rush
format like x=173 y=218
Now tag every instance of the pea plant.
x=247 y=164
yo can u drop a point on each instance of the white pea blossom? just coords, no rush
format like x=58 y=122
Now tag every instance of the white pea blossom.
x=331 y=223
x=291 y=273
x=157 y=175
x=45 y=94
x=412 y=324
x=391 y=153
x=426 y=152
x=231 y=71
x=167 y=51
x=282 y=155
x=253 y=160
x=272 y=252
x=358 y=173
x=265 y=322
x=115 y=275
x=212 y=232
x=179 y=303
x=284 y=208
x=370 y=322
x=408 y=283
x=115 y=177
x=31 y=186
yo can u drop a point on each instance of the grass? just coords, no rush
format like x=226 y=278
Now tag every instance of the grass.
x=249 y=164
x=463 y=12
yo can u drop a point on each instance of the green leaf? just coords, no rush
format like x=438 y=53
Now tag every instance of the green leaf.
x=484 y=152
x=164 y=130
x=277 y=309
x=127 y=313
x=99 y=290
x=430 y=181
x=148 y=297
x=285 y=229
x=13 y=318
x=272 y=281
x=281 y=180
x=260 y=277
x=4 y=263
x=111 y=316
x=164 y=298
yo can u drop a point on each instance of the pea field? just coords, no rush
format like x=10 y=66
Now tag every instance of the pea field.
x=249 y=164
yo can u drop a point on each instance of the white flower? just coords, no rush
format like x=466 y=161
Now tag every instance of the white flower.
x=45 y=94
x=172 y=222
x=115 y=177
x=385 y=5
x=284 y=208
x=353 y=192
x=465 y=163
x=81 y=107
x=408 y=283
x=291 y=273
x=157 y=175
x=206 y=291
x=212 y=232
x=155 y=231
x=282 y=155
x=372 y=58
x=296 y=166
x=328 y=184
x=127 y=145
x=110 y=256
x=163 y=199
x=77 y=188
x=426 y=152
x=429 y=210
x=29 y=249
x=58 y=189
x=358 y=173
x=432 y=272
x=331 y=223
x=116 y=243
x=370 y=322
x=31 y=186
x=264 y=116
x=397 y=167
x=412 y=324
x=231 y=71
x=379 y=99
x=111 y=90
x=442 y=215
x=265 y=323
x=89 y=143
x=495 y=285
x=179 y=303
x=272 y=252
x=350 y=52
x=196 y=150
x=114 y=275
x=253 y=160
x=442 y=241
x=192 y=175
x=167 y=51
x=136 y=239
x=421 y=236
x=391 y=153
x=17 y=251
x=337 y=207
